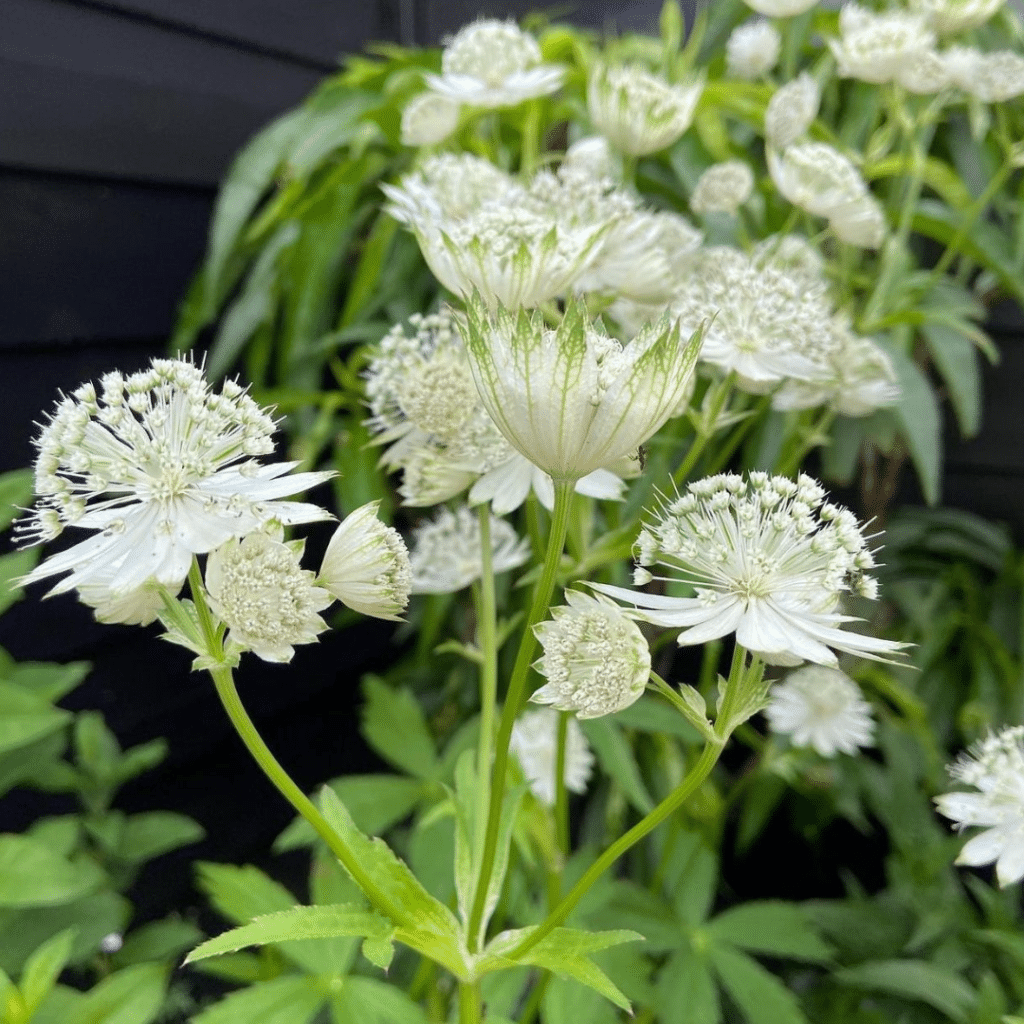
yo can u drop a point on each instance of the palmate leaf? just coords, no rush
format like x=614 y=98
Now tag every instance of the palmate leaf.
x=394 y=726
x=292 y=999
x=761 y=997
x=321 y=922
x=916 y=980
x=564 y=952
x=773 y=928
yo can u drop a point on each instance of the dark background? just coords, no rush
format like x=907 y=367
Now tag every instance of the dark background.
x=117 y=119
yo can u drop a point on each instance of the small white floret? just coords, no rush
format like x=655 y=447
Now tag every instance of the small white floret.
x=535 y=744
x=752 y=49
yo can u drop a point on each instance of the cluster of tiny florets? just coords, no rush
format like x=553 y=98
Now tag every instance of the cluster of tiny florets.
x=534 y=742
x=873 y=47
x=752 y=49
x=722 y=188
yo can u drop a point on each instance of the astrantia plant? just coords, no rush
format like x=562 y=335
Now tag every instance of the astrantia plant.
x=558 y=301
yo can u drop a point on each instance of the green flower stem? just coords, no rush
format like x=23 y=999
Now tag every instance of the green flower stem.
x=536 y=997
x=739 y=435
x=561 y=793
x=487 y=638
x=517 y=691
x=691 y=783
x=801 y=446
x=471 y=1009
x=198 y=590
x=694 y=778
x=530 y=139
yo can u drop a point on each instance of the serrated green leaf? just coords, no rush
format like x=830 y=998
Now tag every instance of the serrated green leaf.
x=12 y=566
x=26 y=717
x=566 y=1003
x=956 y=357
x=132 y=996
x=288 y=1000
x=370 y=1001
x=771 y=927
x=394 y=726
x=45 y=679
x=15 y=493
x=917 y=413
x=152 y=833
x=686 y=991
x=43 y=969
x=761 y=997
x=158 y=940
x=916 y=980
x=616 y=758
x=32 y=875
x=317 y=922
x=242 y=893
x=380 y=952
x=376 y=802
x=691 y=878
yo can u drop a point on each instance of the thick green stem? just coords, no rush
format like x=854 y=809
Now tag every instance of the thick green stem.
x=561 y=792
x=471 y=1009
x=694 y=778
x=225 y=684
x=517 y=692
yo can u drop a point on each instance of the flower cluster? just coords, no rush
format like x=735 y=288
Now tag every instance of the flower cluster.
x=722 y=188
x=995 y=768
x=753 y=49
x=768 y=559
x=535 y=745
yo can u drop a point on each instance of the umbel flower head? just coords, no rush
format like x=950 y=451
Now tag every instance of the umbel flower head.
x=874 y=47
x=428 y=118
x=821 y=707
x=637 y=112
x=366 y=565
x=427 y=409
x=492 y=63
x=752 y=49
x=534 y=742
x=160 y=468
x=948 y=17
x=995 y=768
x=791 y=111
x=573 y=400
x=992 y=77
x=723 y=188
x=267 y=600
x=768 y=559
x=446 y=556
x=596 y=661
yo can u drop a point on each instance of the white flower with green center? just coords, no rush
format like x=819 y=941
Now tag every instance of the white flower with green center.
x=722 y=188
x=765 y=324
x=445 y=554
x=858 y=379
x=780 y=8
x=492 y=63
x=160 y=468
x=791 y=111
x=596 y=661
x=428 y=119
x=752 y=49
x=874 y=47
x=534 y=743
x=793 y=255
x=768 y=559
x=573 y=400
x=823 y=708
x=427 y=409
x=366 y=565
x=267 y=600
x=819 y=179
x=637 y=112
x=948 y=17
x=995 y=768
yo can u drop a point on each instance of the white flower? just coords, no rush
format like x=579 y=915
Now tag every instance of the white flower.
x=768 y=559
x=426 y=406
x=948 y=17
x=793 y=255
x=990 y=77
x=446 y=187
x=857 y=378
x=780 y=8
x=822 y=708
x=445 y=555
x=596 y=661
x=366 y=565
x=428 y=118
x=722 y=188
x=637 y=112
x=269 y=603
x=573 y=400
x=534 y=741
x=138 y=607
x=874 y=47
x=924 y=73
x=821 y=180
x=492 y=63
x=160 y=468
x=791 y=111
x=591 y=156
x=752 y=49
x=994 y=767
x=764 y=324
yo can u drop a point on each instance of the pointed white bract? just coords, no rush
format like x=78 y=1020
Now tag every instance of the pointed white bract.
x=445 y=554
x=535 y=744
x=596 y=661
x=723 y=188
x=823 y=708
x=428 y=119
x=492 y=63
x=995 y=769
x=637 y=112
x=269 y=603
x=428 y=411
x=573 y=400
x=768 y=559
x=159 y=468
x=366 y=565
x=791 y=111
x=752 y=49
